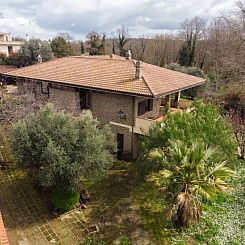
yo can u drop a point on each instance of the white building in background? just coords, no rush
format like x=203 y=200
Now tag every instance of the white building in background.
x=7 y=46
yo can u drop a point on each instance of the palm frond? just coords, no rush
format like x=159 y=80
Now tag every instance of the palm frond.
x=161 y=178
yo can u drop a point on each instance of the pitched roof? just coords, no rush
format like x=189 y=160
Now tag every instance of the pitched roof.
x=114 y=74
x=7 y=68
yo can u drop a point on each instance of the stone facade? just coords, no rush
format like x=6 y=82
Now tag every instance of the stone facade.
x=117 y=110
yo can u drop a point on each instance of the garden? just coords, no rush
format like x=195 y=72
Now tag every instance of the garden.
x=60 y=182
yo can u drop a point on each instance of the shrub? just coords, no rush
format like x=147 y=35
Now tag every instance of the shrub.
x=64 y=200
x=204 y=123
x=62 y=148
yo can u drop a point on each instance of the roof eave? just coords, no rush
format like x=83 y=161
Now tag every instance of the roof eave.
x=181 y=89
x=82 y=86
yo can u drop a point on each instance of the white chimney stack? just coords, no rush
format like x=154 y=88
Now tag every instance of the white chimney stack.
x=39 y=58
x=138 y=73
x=128 y=55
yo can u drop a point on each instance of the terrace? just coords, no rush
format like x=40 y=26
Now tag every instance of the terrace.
x=174 y=103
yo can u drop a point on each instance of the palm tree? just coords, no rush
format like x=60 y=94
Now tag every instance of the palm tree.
x=190 y=174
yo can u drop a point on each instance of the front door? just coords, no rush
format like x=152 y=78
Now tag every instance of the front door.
x=119 y=146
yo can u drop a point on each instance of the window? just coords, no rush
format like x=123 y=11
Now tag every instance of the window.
x=84 y=99
x=10 y=50
x=141 y=108
x=45 y=87
x=149 y=106
x=144 y=106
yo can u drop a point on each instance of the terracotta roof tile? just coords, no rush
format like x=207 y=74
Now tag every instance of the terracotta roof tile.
x=164 y=81
x=7 y=68
x=102 y=72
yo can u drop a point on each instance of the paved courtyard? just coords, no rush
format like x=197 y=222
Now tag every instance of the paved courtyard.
x=27 y=219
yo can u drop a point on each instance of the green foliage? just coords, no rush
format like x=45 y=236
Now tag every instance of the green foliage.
x=186 y=55
x=189 y=174
x=61 y=47
x=28 y=54
x=93 y=241
x=96 y=43
x=151 y=206
x=64 y=200
x=82 y=48
x=62 y=148
x=223 y=221
x=203 y=123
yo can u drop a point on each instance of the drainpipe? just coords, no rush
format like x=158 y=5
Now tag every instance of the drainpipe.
x=133 y=124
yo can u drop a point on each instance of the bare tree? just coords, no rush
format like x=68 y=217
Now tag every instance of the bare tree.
x=191 y=33
x=122 y=39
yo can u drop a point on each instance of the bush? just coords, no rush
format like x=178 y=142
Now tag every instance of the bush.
x=62 y=148
x=203 y=123
x=64 y=200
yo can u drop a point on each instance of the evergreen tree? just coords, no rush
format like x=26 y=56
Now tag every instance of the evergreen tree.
x=61 y=47
x=96 y=43
x=82 y=48
x=29 y=52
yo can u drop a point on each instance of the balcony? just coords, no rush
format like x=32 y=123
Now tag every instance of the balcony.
x=142 y=125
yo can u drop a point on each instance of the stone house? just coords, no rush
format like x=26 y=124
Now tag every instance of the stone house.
x=127 y=94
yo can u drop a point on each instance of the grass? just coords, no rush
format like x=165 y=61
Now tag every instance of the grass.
x=111 y=201
x=222 y=222
x=123 y=203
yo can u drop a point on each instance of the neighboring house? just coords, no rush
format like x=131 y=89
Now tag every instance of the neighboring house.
x=7 y=46
x=5 y=69
x=127 y=94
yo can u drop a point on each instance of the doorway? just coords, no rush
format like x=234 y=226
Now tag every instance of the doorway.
x=120 y=139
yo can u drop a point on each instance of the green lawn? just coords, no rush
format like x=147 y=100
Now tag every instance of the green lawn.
x=125 y=202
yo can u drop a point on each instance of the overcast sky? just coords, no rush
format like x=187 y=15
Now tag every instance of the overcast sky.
x=46 y=18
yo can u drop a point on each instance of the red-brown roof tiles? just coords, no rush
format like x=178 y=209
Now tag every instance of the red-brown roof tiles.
x=7 y=68
x=114 y=74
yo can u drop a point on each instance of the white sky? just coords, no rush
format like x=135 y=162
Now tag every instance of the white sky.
x=46 y=18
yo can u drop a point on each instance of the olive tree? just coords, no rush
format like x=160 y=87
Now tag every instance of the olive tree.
x=62 y=148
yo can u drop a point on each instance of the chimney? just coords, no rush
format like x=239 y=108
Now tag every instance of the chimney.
x=39 y=59
x=138 y=73
x=128 y=55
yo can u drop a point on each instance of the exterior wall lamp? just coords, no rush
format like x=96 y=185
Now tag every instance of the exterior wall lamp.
x=121 y=115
